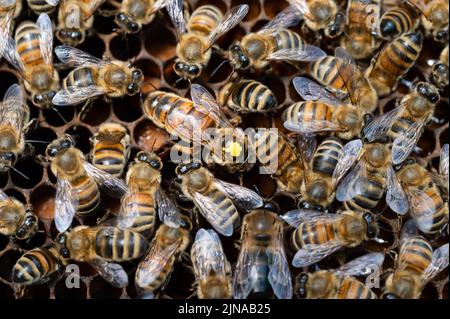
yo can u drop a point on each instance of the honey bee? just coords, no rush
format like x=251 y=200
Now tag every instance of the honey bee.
x=111 y=148
x=262 y=261
x=78 y=182
x=205 y=26
x=14 y=122
x=16 y=219
x=341 y=75
x=93 y=77
x=440 y=73
x=74 y=19
x=9 y=9
x=321 y=15
x=216 y=200
x=319 y=186
x=435 y=18
x=167 y=245
x=279 y=157
x=322 y=112
x=401 y=19
x=134 y=14
x=318 y=234
x=273 y=42
x=144 y=196
x=43 y=6
x=211 y=267
x=362 y=20
x=31 y=53
x=405 y=123
x=340 y=283
x=393 y=62
x=247 y=96
x=38 y=266
x=417 y=192
x=416 y=265
x=102 y=247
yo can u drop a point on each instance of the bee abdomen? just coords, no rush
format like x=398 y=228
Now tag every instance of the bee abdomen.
x=260 y=274
x=351 y=288
x=224 y=207
x=327 y=155
x=109 y=158
x=88 y=195
x=397 y=21
x=287 y=39
x=252 y=96
x=204 y=19
x=34 y=266
x=40 y=6
x=81 y=77
x=27 y=42
x=123 y=245
x=305 y=112
x=438 y=210
x=160 y=278
x=326 y=72
x=369 y=194
x=415 y=254
x=312 y=233
x=144 y=223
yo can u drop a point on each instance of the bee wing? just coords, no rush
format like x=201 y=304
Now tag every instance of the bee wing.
x=307 y=54
x=205 y=103
x=312 y=91
x=422 y=208
x=283 y=20
x=409 y=230
x=439 y=262
x=167 y=210
x=45 y=37
x=111 y=272
x=443 y=161
x=8 y=50
x=92 y=7
x=380 y=126
x=175 y=11
x=75 y=95
x=3 y=196
x=350 y=153
x=74 y=57
x=349 y=72
x=129 y=211
x=301 y=6
x=244 y=273
x=6 y=21
x=66 y=205
x=14 y=110
x=243 y=197
x=159 y=4
x=298 y=216
x=208 y=252
x=362 y=266
x=311 y=254
x=307 y=144
x=52 y=2
x=153 y=264
x=228 y=22
x=218 y=218
x=279 y=274
x=404 y=143
x=421 y=6
x=350 y=186
x=6 y=3
x=113 y=186
x=312 y=126
x=395 y=196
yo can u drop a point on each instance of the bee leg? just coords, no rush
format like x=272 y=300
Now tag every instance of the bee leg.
x=84 y=110
x=42 y=160
x=106 y=13
x=104 y=218
x=30 y=126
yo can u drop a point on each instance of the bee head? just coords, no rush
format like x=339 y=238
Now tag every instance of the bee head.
x=60 y=144
x=336 y=27
x=186 y=71
x=70 y=36
x=428 y=91
x=7 y=159
x=184 y=169
x=28 y=227
x=302 y=280
x=126 y=23
x=153 y=160
x=441 y=36
x=372 y=227
x=238 y=59
x=61 y=241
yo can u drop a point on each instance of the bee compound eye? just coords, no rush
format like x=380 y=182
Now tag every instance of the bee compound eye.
x=155 y=164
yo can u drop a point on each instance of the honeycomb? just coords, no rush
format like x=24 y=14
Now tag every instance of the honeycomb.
x=153 y=50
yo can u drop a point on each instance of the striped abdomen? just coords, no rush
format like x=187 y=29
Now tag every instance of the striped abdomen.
x=315 y=233
x=40 y=6
x=81 y=77
x=306 y=112
x=87 y=193
x=171 y=112
x=27 y=42
x=357 y=14
x=351 y=288
x=158 y=280
x=225 y=210
x=287 y=39
x=415 y=255
x=251 y=96
x=142 y=203
x=370 y=191
x=398 y=21
x=326 y=72
x=204 y=19
x=109 y=157
x=122 y=245
x=35 y=266
x=326 y=156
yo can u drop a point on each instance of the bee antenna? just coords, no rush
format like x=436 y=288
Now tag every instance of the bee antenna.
x=178 y=81
x=218 y=67
x=36 y=141
x=59 y=114
x=19 y=172
x=151 y=84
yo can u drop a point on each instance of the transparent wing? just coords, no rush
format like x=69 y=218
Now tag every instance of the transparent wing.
x=14 y=110
x=298 y=216
x=362 y=266
x=220 y=219
x=438 y=263
x=159 y=4
x=307 y=54
x=66 y=205
x=283 y=20
x=311 y=254
x=244 y=273
x=409 y=229
x=350 y=153
x=151 y=267
x=113 y=186
x=167 y=210
x=46 y=37
x=349 y=73
x=443 y=162
x=111 y=272
x=92 y=7
x=312 y=126
x=76 y=95
x=3 y=196
x=301 y=6
x=204 y=102
x=74 y=57
x=175 y=11
x=243 y=197
x=307 y=144
x=279 y=274
x=6 y=3
x=404 y=143
x=422 y=208
x=6 y=20
x=129 y=211
x=312 y=91
x=395 y=196
x=351 y=185
x=380 y=126
x=52 y=2
x=229 y=21
x=9 y=51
